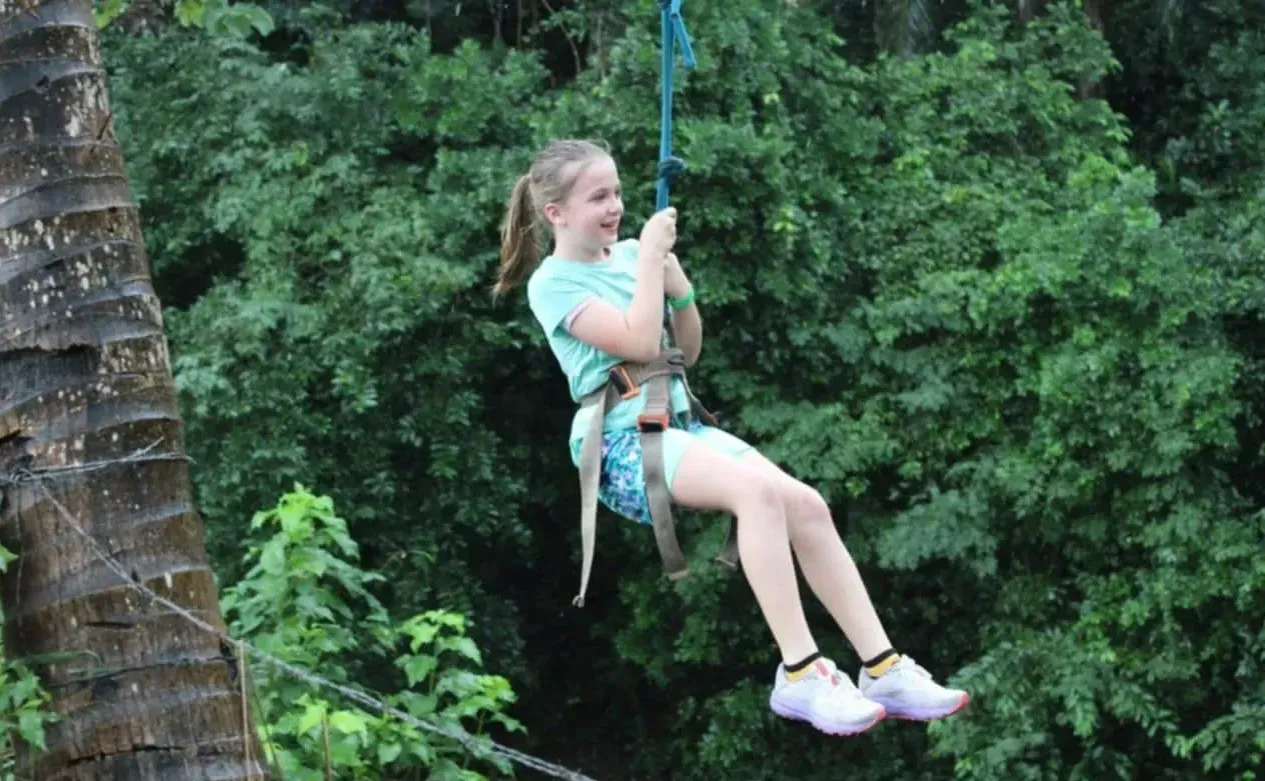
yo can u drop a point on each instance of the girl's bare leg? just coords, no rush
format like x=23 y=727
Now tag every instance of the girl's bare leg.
x=827 y=565
x=708 y=480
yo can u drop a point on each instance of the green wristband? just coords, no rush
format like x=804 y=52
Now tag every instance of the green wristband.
x=684 y=301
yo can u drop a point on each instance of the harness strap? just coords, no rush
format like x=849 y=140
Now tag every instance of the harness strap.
x=627 y=380
x=590 y=475
x=652 y=423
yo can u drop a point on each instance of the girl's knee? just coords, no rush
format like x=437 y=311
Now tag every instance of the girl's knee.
x=807 y=503
x=755 y=492
x=808 y=516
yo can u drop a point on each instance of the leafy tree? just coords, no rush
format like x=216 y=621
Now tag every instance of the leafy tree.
x=1008 y=333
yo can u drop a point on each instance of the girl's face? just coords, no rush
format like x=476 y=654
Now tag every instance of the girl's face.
x=589 y=216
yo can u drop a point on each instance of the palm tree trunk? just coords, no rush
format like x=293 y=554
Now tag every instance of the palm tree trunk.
x=85 y=380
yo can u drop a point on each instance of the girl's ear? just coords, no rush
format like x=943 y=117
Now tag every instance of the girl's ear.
x=553 y=213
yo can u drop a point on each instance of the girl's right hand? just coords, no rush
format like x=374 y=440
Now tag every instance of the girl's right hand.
x=659 y=234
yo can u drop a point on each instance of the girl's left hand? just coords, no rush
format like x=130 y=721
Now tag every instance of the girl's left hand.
x=675 y=283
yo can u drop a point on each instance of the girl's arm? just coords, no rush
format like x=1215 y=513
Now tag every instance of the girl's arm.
x=637 y=333
x=687 y=323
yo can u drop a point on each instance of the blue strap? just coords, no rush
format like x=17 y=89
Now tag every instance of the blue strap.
x=673 y=30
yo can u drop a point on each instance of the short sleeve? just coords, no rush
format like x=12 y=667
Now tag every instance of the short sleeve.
x=552 y=297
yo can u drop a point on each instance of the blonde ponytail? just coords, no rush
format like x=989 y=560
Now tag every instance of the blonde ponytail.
x=520 y=238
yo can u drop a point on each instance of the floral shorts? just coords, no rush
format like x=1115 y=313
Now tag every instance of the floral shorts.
x=623 y=486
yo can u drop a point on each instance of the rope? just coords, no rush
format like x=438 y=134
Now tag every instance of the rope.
x=21 y=474
x=670 y=167
x=673 y=33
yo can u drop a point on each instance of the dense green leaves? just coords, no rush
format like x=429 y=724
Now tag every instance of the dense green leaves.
x=306 y=601
x=1010 y=335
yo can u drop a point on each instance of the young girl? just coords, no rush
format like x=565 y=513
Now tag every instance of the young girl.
x=600 y=302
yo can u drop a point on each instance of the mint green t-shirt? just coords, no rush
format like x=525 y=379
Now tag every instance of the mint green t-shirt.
x=554 y=290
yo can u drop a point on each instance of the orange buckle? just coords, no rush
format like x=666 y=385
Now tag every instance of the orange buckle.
x=652 y=422
x=623 y=382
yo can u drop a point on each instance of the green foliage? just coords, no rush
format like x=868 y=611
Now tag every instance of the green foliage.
x=312 y=350
x=217 y=17
x=23 y=703
x=1011 y=336
x=23 y=714
x=220 y=18
x=305 y=600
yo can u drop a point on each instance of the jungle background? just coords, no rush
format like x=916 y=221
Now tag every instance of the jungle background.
x=986 y=274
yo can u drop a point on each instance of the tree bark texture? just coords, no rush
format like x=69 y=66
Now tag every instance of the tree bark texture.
x=85 y=380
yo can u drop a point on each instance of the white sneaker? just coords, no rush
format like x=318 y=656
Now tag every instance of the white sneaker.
x=824 y=698
x=907 y=691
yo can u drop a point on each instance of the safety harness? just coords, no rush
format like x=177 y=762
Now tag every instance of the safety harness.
x=629 y=379
x=625 y=381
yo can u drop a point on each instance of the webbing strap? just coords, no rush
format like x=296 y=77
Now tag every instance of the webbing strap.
x=658 y=404
x=590 y=476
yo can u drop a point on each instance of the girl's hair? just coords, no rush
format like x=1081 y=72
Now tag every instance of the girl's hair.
x=545 y=182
